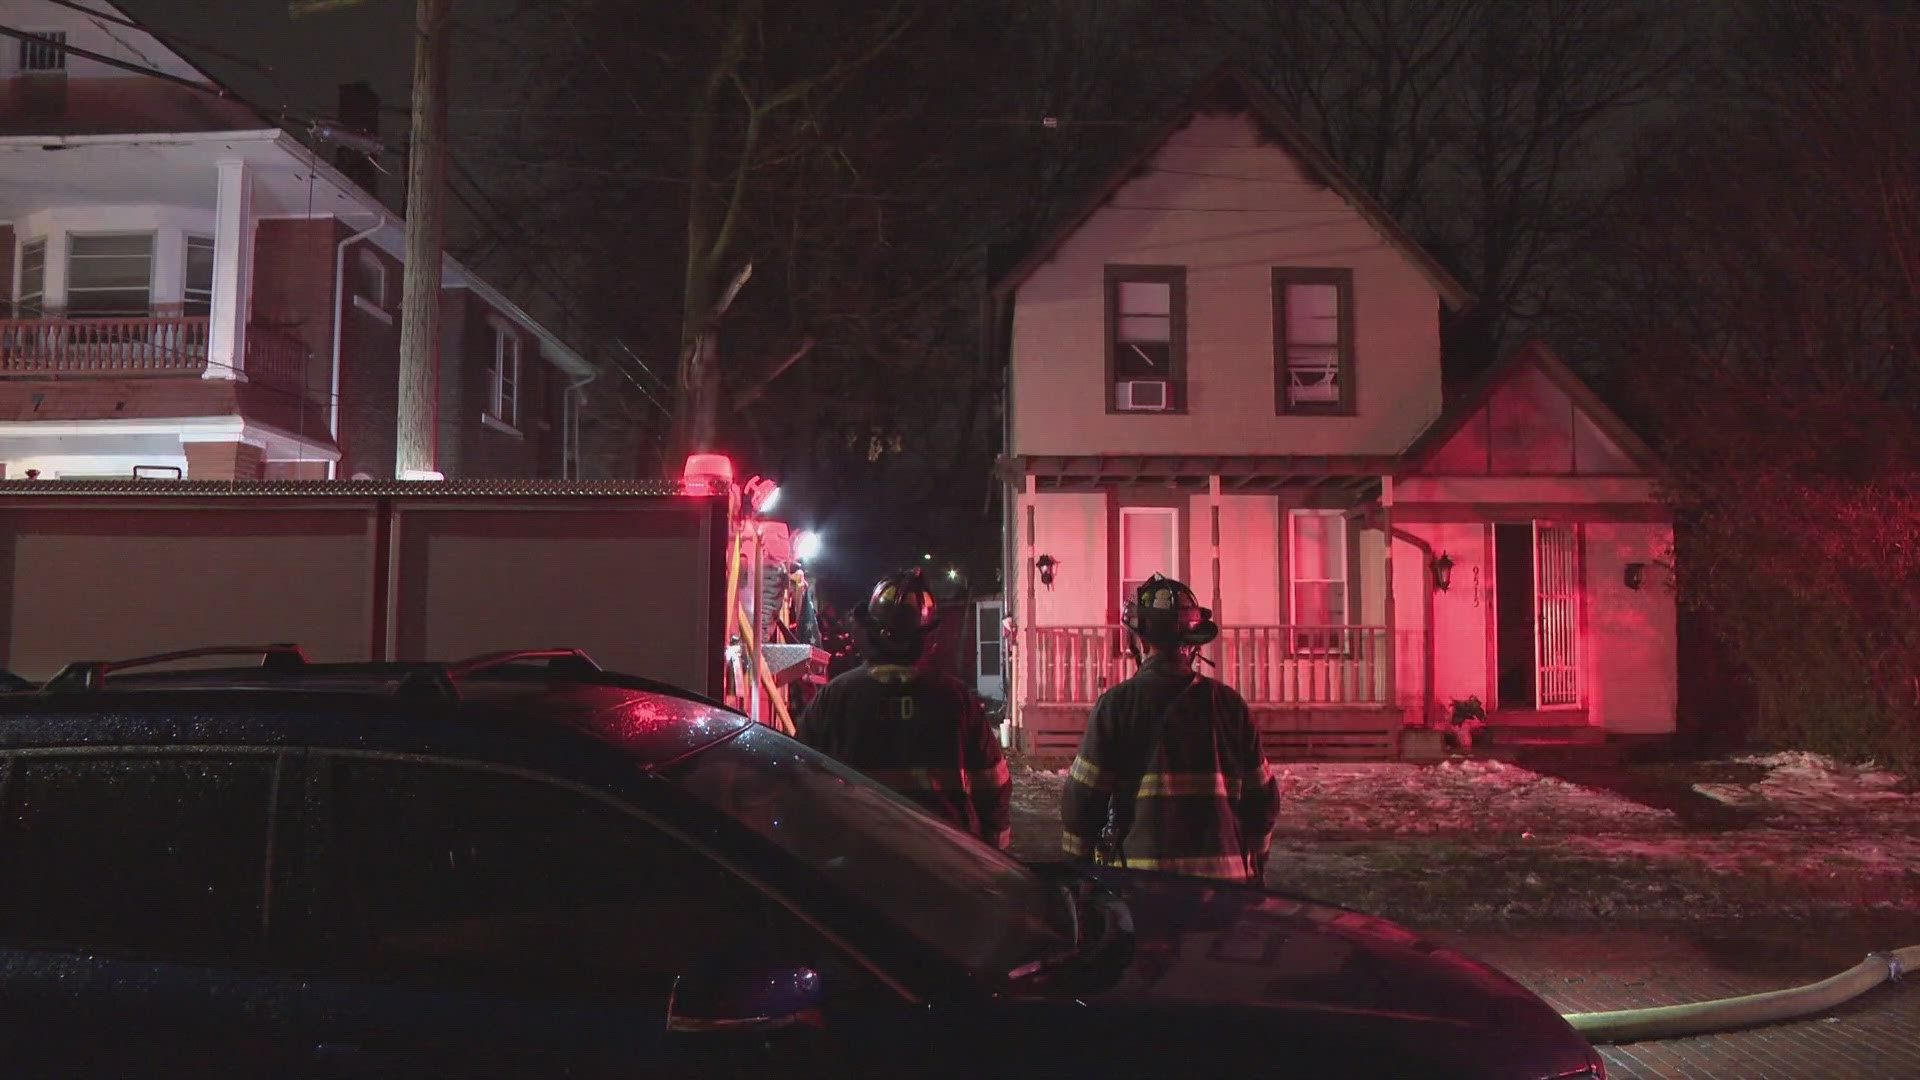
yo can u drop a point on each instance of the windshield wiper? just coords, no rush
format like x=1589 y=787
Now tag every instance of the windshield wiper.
x=1116 y=925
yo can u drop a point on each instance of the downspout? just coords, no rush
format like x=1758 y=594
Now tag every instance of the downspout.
x=339 y=319
x=570 y=419
x=1426 y=615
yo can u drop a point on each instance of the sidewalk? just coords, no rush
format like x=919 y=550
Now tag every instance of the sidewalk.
x=1595 y=969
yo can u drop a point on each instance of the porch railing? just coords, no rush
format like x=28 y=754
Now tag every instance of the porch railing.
x=149 y=345
x=276 y=358
x=1268 y=665
x=131 y=346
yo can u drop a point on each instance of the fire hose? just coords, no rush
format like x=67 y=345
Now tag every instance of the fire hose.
x=1751 y=1010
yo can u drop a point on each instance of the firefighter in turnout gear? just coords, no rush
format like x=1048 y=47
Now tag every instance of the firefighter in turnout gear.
x=916 y=730
x=1170 y=774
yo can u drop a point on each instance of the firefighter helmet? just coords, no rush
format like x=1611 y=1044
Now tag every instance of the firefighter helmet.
x=1164 y=612
x=898 y=615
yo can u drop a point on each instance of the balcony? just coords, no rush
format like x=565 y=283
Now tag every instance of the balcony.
x=141 y=347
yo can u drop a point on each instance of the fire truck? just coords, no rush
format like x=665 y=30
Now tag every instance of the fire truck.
x=686 y=581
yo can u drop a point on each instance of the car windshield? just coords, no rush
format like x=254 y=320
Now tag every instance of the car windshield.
x=978 y=907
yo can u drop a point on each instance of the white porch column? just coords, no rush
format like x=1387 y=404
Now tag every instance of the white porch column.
x=1386 y=595
x=1027 y=637
x=232 y=272
x=1213 y=549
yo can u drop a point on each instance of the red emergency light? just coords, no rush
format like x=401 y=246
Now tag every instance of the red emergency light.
x=707 y=474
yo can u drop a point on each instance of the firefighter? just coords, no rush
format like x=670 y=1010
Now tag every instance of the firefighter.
x=914 y=729
x=1170 y=774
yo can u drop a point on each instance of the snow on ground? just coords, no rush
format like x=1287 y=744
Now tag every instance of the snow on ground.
x=1469 y=842
x=1464 y=795
x=1812 y=788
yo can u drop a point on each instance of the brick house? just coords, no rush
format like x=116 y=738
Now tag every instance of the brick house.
x=1225 y=367
x=194 y=292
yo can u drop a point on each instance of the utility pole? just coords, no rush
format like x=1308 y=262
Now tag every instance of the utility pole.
x=414 y=441
x=414 y=436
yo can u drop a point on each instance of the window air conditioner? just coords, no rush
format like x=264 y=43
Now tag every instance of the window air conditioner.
x=1144 y=395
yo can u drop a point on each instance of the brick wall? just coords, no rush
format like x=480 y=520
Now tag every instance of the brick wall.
x=293 y=288
x=222 y=461
x=484 y=450
x=369 y=380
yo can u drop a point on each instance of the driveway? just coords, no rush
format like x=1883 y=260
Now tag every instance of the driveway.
x=1596 y=970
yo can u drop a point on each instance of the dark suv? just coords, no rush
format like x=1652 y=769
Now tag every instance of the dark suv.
x=524 y=865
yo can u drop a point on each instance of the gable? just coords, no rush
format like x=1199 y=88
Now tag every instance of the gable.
x=1530 y=417
x=88 y=96
x=1232 y=99
x=105 y=33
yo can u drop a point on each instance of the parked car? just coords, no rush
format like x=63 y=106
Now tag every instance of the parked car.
x=524 y=865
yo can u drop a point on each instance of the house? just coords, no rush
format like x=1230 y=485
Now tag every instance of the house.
x=1225 y=367
x=196 y=293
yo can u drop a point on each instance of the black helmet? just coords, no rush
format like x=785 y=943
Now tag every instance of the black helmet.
x=898 y=615
x=1164 y=612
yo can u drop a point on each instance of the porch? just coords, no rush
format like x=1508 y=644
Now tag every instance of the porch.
x=1314 y=692
x=141 y=346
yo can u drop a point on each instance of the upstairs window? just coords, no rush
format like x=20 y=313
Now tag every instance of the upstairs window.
x=31 y=302
x=370 y=278
x=1313 y=341
x=1146 y=338
x=109 y=274
x=505 y=400
x=44 y=52
x=197 y=282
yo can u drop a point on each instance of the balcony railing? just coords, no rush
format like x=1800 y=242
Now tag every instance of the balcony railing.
x=1268 y=665
x=139 y=346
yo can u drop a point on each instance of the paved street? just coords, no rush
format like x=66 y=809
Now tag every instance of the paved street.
x=1876 y=1037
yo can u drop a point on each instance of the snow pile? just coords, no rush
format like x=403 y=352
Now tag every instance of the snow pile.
x=1801 y=788
x=1471 y=796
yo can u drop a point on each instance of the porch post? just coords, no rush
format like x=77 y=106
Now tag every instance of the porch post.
x=1213 y=543
x=232 y=272
x=1386 y=593
x=1029 y=636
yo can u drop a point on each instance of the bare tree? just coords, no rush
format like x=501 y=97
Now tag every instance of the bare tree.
x=1484 y=126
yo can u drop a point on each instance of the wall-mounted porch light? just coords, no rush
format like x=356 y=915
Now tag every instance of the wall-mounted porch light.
x=1046 y=564
x=1636 y=575
x=1442 y=572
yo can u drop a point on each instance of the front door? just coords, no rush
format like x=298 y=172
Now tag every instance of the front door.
x=987 y=670
x=1537 y=616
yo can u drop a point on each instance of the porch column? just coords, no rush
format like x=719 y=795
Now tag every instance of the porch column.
x=1028 y=636
x=1386 y=593
x=1213 y=546
x=232 y=272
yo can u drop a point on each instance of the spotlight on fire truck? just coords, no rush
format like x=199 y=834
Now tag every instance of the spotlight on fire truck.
x=762 y=493
x=806 y=546
x=707 y=474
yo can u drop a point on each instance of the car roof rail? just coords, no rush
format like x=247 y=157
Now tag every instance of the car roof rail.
x=92 y=674
x=559 y=661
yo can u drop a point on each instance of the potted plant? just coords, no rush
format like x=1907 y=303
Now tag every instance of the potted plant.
x=1465 y=723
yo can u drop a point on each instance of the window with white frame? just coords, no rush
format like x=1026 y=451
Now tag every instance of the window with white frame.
x=1149 y=545
x=505 y=405
x=109 y=274
x=1317 y=578
x=30 y=301
x=370 y=277
x=44 y=51
x=196 y=297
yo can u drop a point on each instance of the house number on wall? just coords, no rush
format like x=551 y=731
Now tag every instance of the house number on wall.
x=1476 y=586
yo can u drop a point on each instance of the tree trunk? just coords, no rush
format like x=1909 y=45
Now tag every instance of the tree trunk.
x=414 y=438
